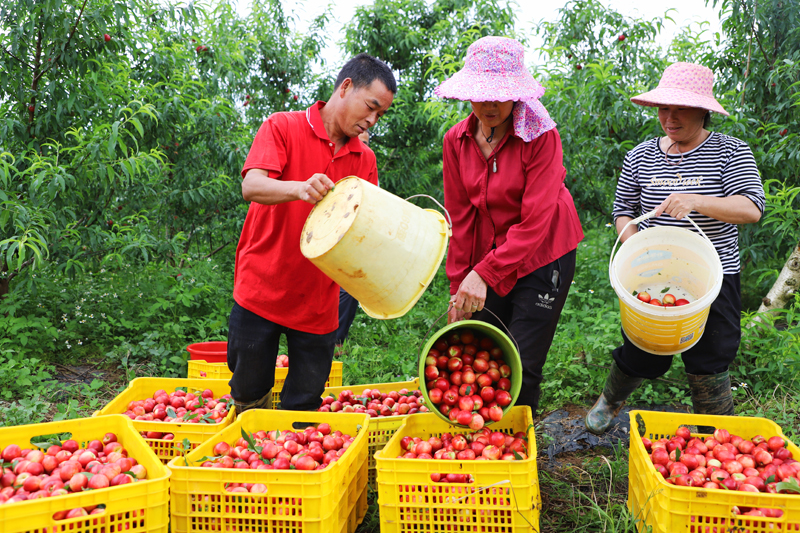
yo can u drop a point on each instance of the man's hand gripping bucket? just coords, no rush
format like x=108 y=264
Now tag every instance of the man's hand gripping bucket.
x=658 y=260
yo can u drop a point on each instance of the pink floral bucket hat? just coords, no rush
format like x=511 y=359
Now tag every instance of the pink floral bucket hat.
x=493 y=71
x=683 y=84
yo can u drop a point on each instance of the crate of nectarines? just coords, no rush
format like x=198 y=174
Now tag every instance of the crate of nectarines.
x=275 y=471
x=433 y=476
x=87 y=475
x=173 y=414
x=706 y=474
x=385 y=403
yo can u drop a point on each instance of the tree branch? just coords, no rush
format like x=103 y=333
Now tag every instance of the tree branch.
x=217 y=250
x=35 y=83
x=15 y=273
x=18 y=59
x=769 y=60
x=66 y=45
x=749 y=50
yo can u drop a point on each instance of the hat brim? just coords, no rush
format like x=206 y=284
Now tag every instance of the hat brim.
x=489 y=87
x=667 y=96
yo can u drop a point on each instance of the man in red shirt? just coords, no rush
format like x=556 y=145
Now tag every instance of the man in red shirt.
x=296 y=158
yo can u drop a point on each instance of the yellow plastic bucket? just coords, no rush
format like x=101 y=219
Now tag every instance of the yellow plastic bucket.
x=381 y=249
x=658 y=260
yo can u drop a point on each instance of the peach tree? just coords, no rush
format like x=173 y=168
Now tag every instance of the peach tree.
x=124 y=127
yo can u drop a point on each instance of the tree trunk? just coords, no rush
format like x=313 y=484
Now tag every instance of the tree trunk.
x=5 y=281
x=785 y=287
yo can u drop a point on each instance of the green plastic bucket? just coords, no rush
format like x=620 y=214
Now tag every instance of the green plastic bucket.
x=500 y=339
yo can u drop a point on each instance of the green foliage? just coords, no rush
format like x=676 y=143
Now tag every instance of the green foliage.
x=769 y=350
x=414 y=37
x=24 y=411
x=590 y=75
x=21 y=377
x=132 y=147
x=768 y=246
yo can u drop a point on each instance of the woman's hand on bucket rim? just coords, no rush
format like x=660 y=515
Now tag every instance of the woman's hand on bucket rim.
x=471 y=294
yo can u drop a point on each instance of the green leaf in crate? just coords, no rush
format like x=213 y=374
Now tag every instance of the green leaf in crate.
x=251 y=444
x=789 y=486
x=46 y=445
x=184 y=447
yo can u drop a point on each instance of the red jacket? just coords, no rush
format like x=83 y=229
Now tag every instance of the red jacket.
x=507 y=223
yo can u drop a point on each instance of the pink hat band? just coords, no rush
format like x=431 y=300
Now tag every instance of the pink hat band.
x=683 y=84
x=493 y=71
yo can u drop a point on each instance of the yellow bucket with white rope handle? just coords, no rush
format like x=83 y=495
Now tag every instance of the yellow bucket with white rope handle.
x=662 y=260
x=380 y=248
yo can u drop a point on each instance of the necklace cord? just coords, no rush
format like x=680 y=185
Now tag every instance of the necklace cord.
x=677 y=149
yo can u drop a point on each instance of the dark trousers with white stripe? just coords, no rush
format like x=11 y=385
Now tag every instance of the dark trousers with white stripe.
x=712 y=354
x=531 y=311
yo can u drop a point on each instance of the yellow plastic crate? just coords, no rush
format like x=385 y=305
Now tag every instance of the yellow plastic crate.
x=199 y=369
x=381 y=429
x=141 y=388
x=140 y=507
x=669 y=508
x=504 y=496
x=319 y=501
x=203 y=370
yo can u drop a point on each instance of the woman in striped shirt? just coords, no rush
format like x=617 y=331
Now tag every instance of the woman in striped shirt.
x=714 y=178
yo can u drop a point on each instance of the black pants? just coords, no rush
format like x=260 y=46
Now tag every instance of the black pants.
x=712 y=354
x=252 y=352
x=347 y=312
x=531 y=311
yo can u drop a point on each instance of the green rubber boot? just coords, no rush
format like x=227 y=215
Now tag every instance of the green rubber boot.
x=711 y=395
x=264 y=403
x=618 y=387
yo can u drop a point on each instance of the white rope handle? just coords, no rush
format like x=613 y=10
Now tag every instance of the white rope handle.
x=431 y=198
x=636 y=220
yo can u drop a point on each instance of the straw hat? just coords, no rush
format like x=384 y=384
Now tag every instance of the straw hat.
x=493 y=71
x=683 y=84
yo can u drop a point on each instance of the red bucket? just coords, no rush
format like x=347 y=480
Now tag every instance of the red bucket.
x=210 y=352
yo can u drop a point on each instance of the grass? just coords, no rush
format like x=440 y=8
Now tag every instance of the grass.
x=586 y=492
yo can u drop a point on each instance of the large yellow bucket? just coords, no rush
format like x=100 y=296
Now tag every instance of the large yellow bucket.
x=381 y=249
x=665 y=259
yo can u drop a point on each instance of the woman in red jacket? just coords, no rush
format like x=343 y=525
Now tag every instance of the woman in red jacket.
x=515 y=227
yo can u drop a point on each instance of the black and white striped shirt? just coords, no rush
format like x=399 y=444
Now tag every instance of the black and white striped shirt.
x=721 y=166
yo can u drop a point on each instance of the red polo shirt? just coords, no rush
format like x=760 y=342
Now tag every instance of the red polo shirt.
x=507 y=223
x=272 y=278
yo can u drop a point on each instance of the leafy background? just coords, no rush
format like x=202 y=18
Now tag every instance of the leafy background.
x=121 y=203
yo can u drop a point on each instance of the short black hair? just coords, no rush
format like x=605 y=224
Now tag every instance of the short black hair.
x=707 y=120
x=363 y=69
